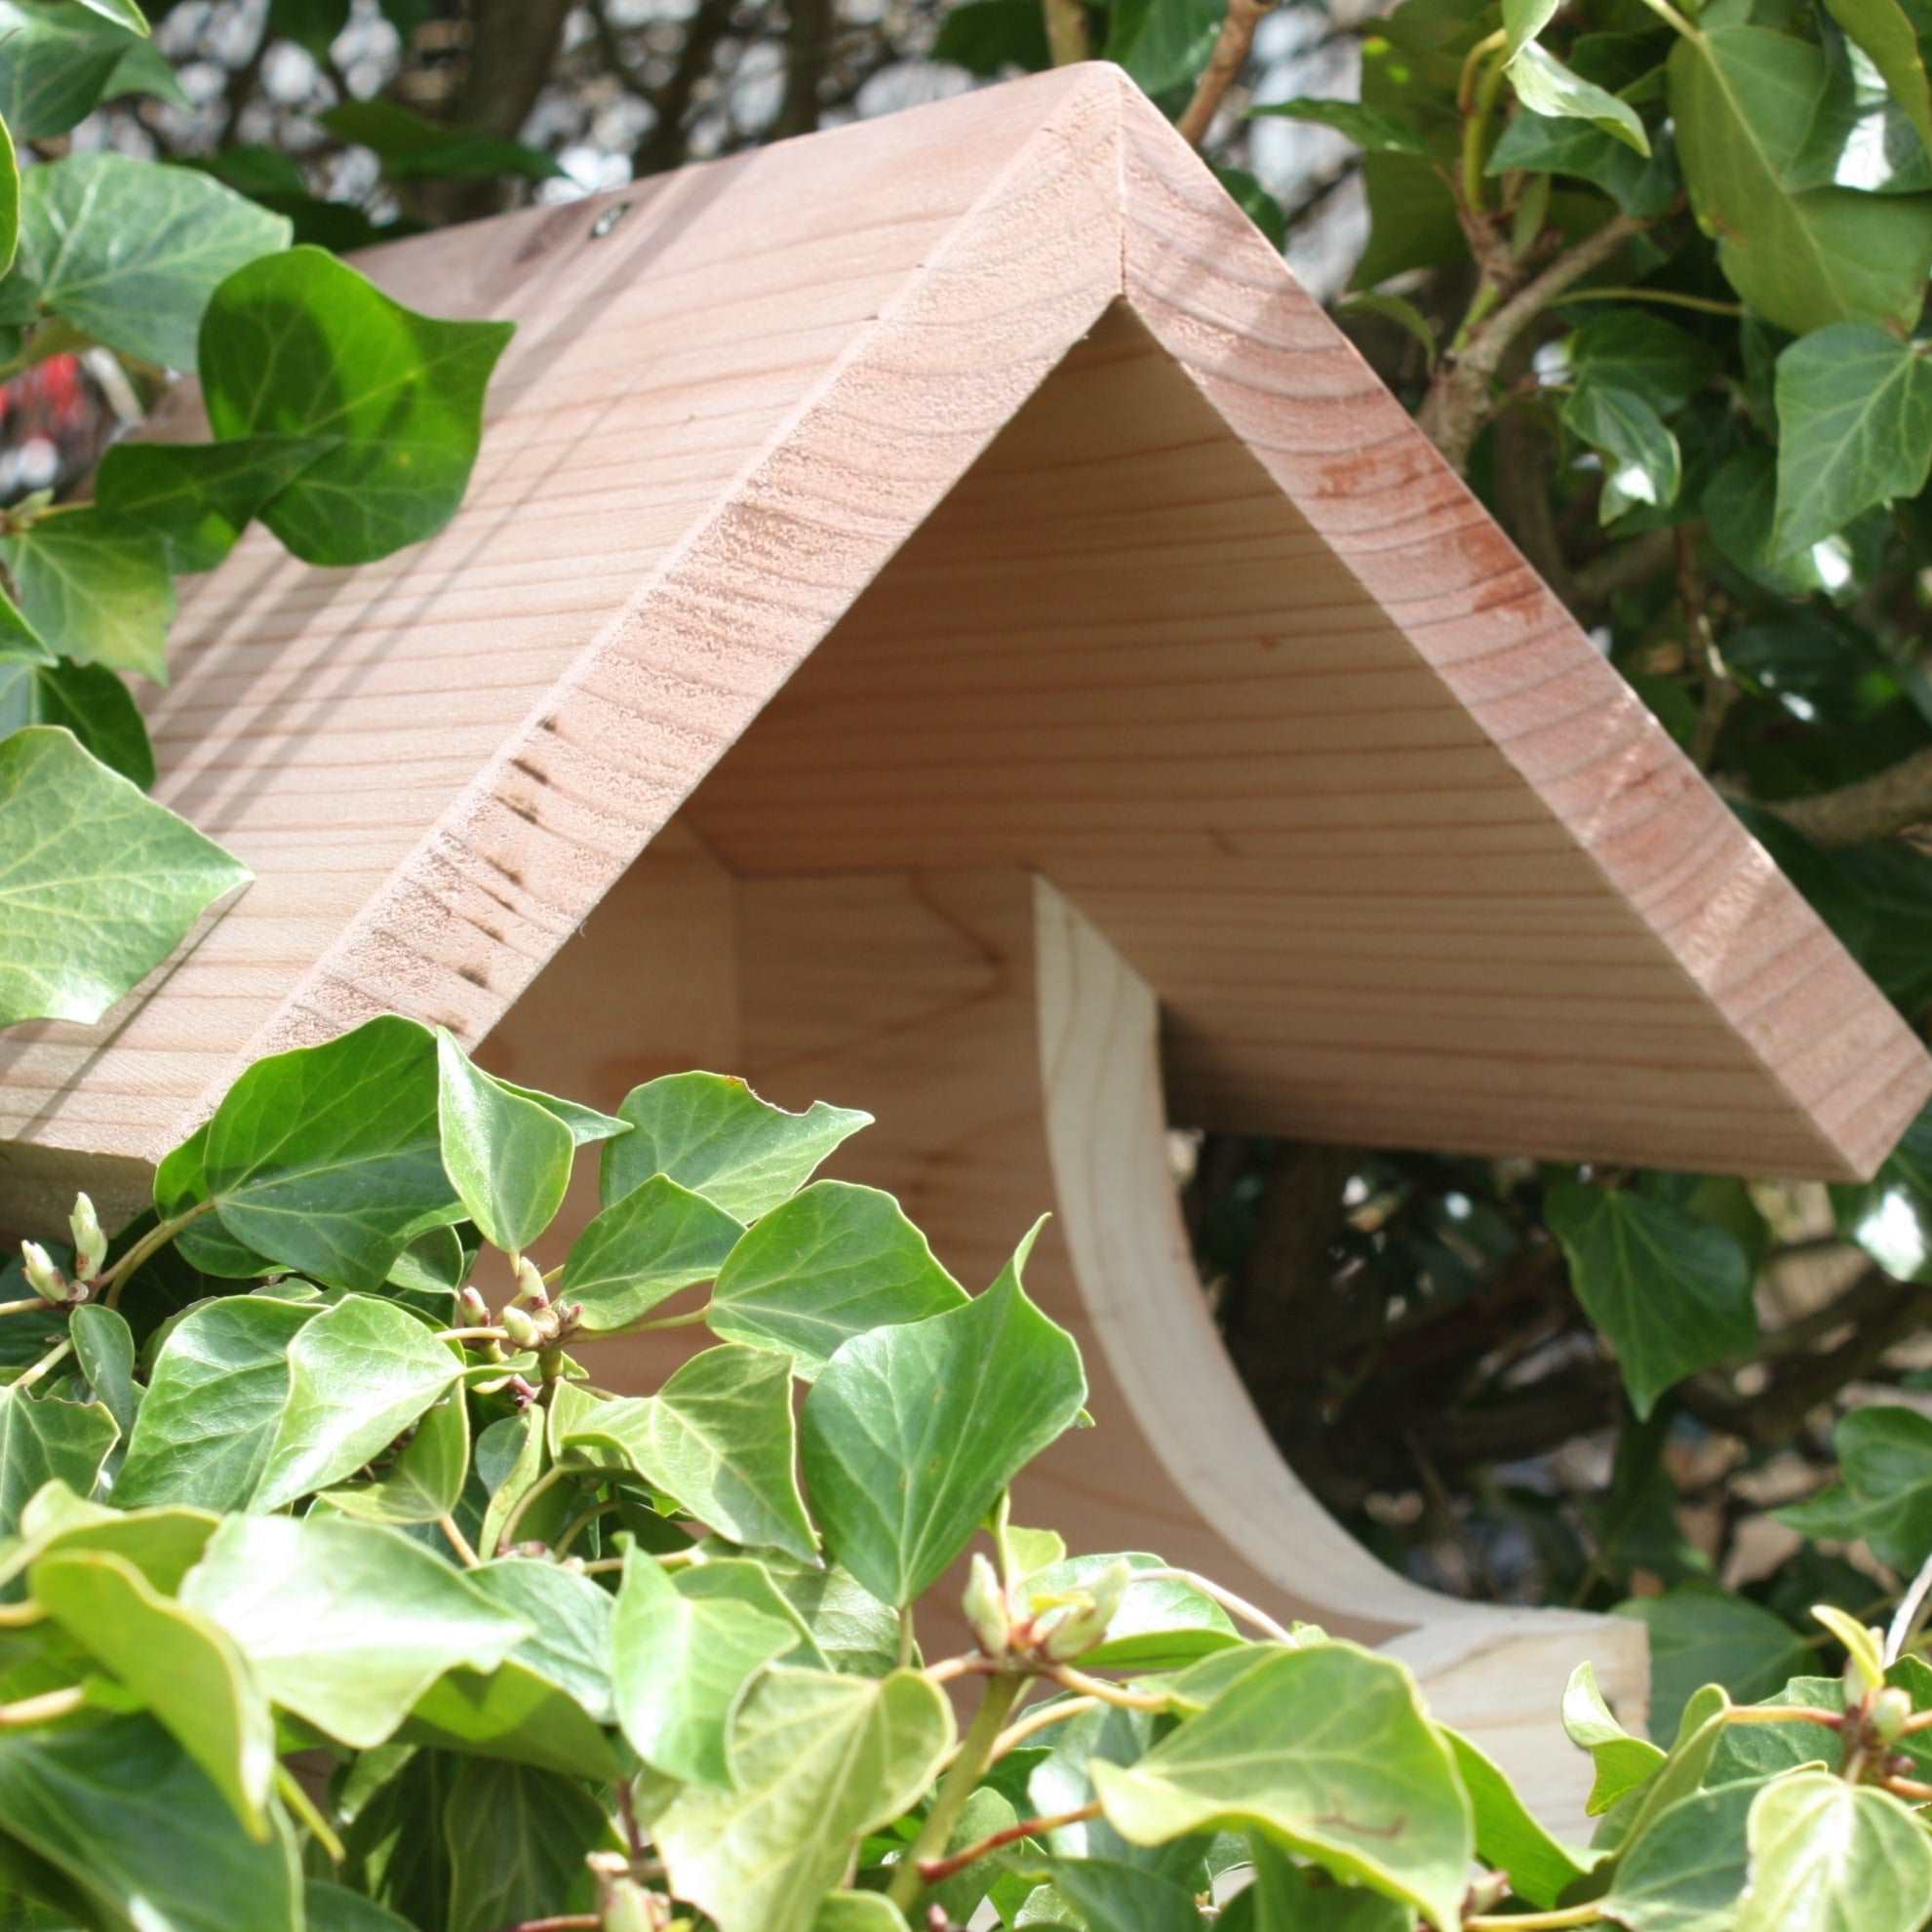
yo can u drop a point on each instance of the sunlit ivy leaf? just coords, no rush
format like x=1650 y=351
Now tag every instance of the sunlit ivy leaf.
x=328 y=1158
x=196 y=499
x=1509 y=1835
x=1366 y=127
x=985 y=37
x=1702 y=1636
x=858 y=1912
x=514 y=1713
x=162 y=1545
x=412 y=148
x=1108 y=1897
x=359 y=1375
x=345 y=1624
x=517 y=1838
x=1162 y=43
x=1685 y=1873
x=1740 y=97
x=48 y=1439
x=10 y=200
x=820 y=1761
x=128 y=253
x=570 y=1620
x=105 y=1351
x=56 y=60
x=682 y=1666
x=586 y=1123
x=719 y=1439
x=1161 y=1624
x=1834 y=1858
x=714 y=1136
x=96 y=591
x=1886 y=1496
x=1671 y=1294
x=119 y=13
x=1546 y=86
x=141 y=1832
x=1622 y=1761
x=98 y=882
x=844 y=1627
x=1860 y=136
x=751 y=1581
x=1886 y=32
x=832 y=1262
x=911 y=1433
x=300 y=344
x=181 y=1184
x=1641 y=461
x=508 y=1158
x=426 y=1479
x=1854 y=428
x=85 y=699
x=641 y=1250
x=1890 y=1216
x=1327 y=1748
x=183 y=1668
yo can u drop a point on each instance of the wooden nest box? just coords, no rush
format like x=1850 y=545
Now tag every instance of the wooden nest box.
x=942 y=622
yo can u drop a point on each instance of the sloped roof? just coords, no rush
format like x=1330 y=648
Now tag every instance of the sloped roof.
x=1204 y=630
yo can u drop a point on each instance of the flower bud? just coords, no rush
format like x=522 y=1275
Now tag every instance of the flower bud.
x=476 y=1310
x=529 y=1283
x=1890 y=1710
x=518 y=1326
x=43 y=1278
x=985 y=1606
x=90 y=1244
x=626 y=1907
x=1084 y=1624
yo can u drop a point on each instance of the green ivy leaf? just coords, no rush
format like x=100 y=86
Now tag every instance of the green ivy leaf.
x=344 y=1624
x=1534 y=143
x=846 y=1628
x=1702 y=1637
x=85 y=699
x=99 y=593
x=570 y=1619
x=1686 y=1872
x=1161 y=1624
x=1163 y=44
x=1884 y=30
x=104 y=1351
x=1369 y=129
x=162 y=1545
x=329 y=1159
x=413 y=149
x=987 y=36
x=1509 y=1835
x=1885 y=1498
x=426 y=1480
x=719 y=1439
x=196 y=499
x=1623 y=1762
x=128 y=253
x=1643 y=355
x=213 y=1402
x=1890 y=1216
x=509 y=1157
x=586 y=1123
x=863 y=1912
x=833 y=1262
x=820 y=1761
x=359 y=1375
x=752 y=1581
x=329 y=1907
x=10 y=200
x=1854 y=428
x=57 y=58
x=141 y=1832
x=180 y=1666
x=1740 y=97
x=714 y=1136
x=912 y=1432
x=1107 y=1897
x=1545 y=86
x=46 y=1439
x=1642 y=464
x=1327 y=1748
x=300 y=344
x=1834 y=1858
x=1860 y=137
x=314 y=24
x=1669 y=1294
x=517 y=1838
x=514 y=1713
x=648 y=1245
x=681 y=1667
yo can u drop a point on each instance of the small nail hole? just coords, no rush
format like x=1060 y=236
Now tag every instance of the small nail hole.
x=609 y=220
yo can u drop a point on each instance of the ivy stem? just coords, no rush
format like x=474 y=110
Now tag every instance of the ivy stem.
x=1908 y=1789
x=111 y=1285
x=544 y=1483
x=458 y=1542
x=1476 y=97
x=1667 y=13
x=975 y=1752
x=908 y=1641
x=28 y=1377
x=1784 y=1713
x=1535 y=1922
x=1017 y=1733
x=934 y=1870
x=579 y=1523
x=26 y=1306
x=303 y=1807
x=949 y=1667
x=689 y=1320
x=476 y=1335
x=1083 y=1685
x=41 y=1710
x=1704 y=304
x=1235 y=1606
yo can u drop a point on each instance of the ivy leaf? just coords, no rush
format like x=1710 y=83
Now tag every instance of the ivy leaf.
x=513 y=1713
x=509 y=1157
x=1884 y=30
x=820 y=1761
x=328 y=1158
x=344 y=1624
x=1835 y=1858
x=681 y=1668
x=1162 y=43
x=413 y=149
x=1671 y=1294
x=863 y=1912
x=180 y=1665
x=912 y=1432
x=1740 y=97
x=1890 y=1216
x=714 y=1136
x=517 y=1838
x=1327 y=1748
x=1854 y=428
x=648 y=1245
x=719 y=1439
x=1642 y=355
x=1622 y=1761
x=846 y=1627
x=162 y=1545
x=359 y=1375
x=1123 y=1898
x=1886 y=1499
x=128 y=253
x=196 y=499
x=1702 y=1637
x=987 y=36
x=46 y=1439
x=141 y=1832
x=1641 y=461
x=9 y=199
x=1545 y=86
x=55 y=59
x=1534 y=143
x=300 y=344
x=1509 y=1835
x=98 y=593
x=586 y=1123
x=1859 y=136
x=1686 y=1872
x=833 y=1262
x=1368 y=128
x=105 y=1350
x=570 y=1619
x=1161 y=1624
x=85 y=699
x=329 y=1907
x=426 y=1480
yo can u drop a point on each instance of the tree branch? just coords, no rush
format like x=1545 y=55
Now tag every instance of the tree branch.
x=808 y=50
x=1875 y=807
x=1230 y=55
x=1067 y=37
x=663 y=147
